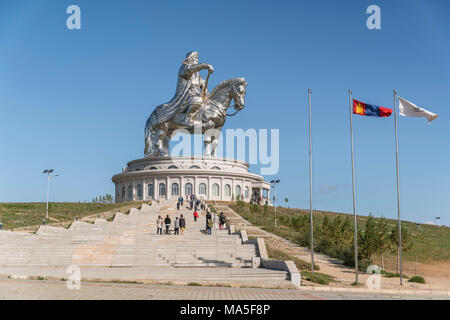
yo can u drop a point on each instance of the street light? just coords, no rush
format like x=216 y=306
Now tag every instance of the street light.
x=48 y=172
x=436 y=219
x=274 y=184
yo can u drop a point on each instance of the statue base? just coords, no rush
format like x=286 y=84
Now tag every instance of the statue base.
x=210 y=178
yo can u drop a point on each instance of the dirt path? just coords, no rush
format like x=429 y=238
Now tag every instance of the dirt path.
x=436 y=275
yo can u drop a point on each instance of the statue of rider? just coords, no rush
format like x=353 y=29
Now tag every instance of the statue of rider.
x=188 y=94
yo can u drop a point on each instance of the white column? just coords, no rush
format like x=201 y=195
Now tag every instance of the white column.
x=144 y=189
x=167 y=187
x=182 y=193
x=233 y=194
x=194 y=188
x=221 y=189
x=154 y=188
x=208 y=192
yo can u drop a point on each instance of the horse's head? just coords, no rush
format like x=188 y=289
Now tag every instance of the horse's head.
x=238 y=91
x=231 y=89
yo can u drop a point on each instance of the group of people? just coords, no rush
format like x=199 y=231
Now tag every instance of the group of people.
x=259 y=199
x=179 y=224
x=210 y=222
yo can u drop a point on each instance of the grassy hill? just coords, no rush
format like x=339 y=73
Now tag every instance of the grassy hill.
x=24 y=214
x=430 y=243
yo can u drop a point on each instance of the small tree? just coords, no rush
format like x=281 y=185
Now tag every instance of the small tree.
x=406 y=243
x=239 y=201
x=368 y=240
x=384 y=240
x=255 y=209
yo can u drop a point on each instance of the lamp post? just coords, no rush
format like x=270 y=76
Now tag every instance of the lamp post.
x=49 y=176
x=274 y=184
x=436 y=219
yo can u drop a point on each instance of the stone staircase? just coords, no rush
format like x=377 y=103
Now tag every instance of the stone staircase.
x=130 y=241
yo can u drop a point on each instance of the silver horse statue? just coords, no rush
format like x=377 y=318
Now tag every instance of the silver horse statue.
x=193 y=108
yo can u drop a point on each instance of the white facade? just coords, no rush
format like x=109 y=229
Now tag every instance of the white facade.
x=169 y=177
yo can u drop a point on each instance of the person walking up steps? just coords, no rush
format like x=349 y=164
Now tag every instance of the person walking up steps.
x=178 y=205
x=176 y=225
x=167 y=222
x=208 y=216
x=222 y=221
x=209 y=225
x=195 y=215
x=159 y=224
x=216 y=221
x=182 y=224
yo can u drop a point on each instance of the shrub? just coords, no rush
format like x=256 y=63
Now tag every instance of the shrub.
x=317 y=277
x=418 y=279
x=194 y=284
x=388 y=274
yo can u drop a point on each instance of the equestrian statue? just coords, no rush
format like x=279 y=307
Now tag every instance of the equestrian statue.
x=193 y=108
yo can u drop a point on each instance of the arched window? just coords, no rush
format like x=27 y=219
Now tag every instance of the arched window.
x=194 y=167
x=172 y=167
x=151 y=190
x=215 y=168
x=162 y=189
x=175 y=189
x=188 y=188
x=139 y=191
x=215 y=189
x=227 y=191
x=123 y=193
x=237 y=190
x=202 y=188
x=246 y=192
x=153 y=168
x=130 y=192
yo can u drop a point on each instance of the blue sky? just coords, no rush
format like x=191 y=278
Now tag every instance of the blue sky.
x=77 y=100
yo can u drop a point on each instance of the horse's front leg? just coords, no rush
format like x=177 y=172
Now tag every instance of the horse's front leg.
x=214 y=144
x=164 y=151
x=158 y=141
x=207 y=143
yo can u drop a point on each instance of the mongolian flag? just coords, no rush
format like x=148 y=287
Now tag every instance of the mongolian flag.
x=371 y=110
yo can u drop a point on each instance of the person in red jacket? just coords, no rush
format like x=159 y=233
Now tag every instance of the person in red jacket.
x=195 y=215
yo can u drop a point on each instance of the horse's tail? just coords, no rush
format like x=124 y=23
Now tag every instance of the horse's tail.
x=149 y=128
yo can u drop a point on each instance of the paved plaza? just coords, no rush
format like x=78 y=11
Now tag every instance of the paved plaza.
x=57 y=290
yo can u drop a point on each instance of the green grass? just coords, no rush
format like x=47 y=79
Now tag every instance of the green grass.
x=194 y=284
x=392 y=275
x=431 y=243
x=276 y=254
x=418 y=279
x=16 y=215
x=317 y=277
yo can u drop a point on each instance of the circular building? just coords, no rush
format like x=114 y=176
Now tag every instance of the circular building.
x=210 y=178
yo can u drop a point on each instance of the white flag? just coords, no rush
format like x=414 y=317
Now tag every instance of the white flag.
x=409 y=109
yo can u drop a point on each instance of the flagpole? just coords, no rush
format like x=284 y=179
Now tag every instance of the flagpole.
x=398 y=193
x=310 y=184
x=355 y=225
